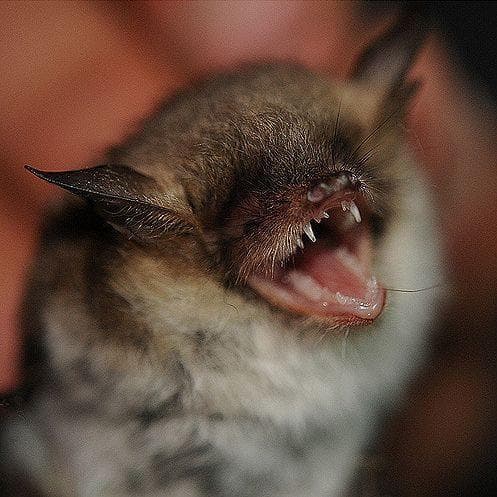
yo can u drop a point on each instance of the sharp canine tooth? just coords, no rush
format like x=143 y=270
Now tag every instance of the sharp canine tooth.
x=300 y=243
x=354 y=210
x=326 y=215
x=308 y=231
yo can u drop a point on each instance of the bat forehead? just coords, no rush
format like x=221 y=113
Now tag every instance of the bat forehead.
x=260 y=129
x=280 y=147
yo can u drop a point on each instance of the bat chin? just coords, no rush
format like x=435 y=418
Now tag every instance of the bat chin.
x=328 y=280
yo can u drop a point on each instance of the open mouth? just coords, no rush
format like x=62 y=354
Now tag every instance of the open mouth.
x=330 y=275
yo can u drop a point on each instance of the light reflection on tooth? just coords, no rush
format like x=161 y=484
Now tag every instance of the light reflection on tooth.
x=354 y=210
x=326 y=215
x=308 y=231
x=345 y=205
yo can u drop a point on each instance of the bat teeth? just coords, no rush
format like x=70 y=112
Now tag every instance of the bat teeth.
x=308 y=231
x=320 y=217
x=350 y=205
x=354 y=210
x=300 y=243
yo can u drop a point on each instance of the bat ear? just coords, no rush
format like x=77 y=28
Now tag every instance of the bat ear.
x=383 y=66
x=128 y=200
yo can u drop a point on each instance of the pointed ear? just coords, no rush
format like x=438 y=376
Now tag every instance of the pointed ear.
x=384 y=64
x=130 y=201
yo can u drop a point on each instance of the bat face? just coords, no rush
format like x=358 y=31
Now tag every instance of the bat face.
x=297 y=224
x=271 y=181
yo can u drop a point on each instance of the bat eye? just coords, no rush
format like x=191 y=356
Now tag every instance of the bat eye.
x=344 y=180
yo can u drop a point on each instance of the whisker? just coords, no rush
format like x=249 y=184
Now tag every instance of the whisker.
x=370 y=153
x=376 y=130
x=335 y=131
x=344 y=343
x=322 y=336
x=402 y=290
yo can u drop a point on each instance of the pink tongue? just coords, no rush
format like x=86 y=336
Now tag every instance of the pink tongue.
x=327 y=282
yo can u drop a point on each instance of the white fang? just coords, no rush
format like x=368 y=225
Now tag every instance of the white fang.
x=308 y=231
x=300 y=243
x=326 y=215
x=354 y=210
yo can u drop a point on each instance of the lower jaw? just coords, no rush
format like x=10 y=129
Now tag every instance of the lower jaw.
x=329 y=279
x=337 y=310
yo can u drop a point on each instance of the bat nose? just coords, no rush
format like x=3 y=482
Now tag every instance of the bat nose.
x=337 y=183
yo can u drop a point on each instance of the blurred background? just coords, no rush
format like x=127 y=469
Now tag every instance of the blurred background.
x=77 y=77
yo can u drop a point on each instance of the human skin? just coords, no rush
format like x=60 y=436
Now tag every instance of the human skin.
x=78 y=77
